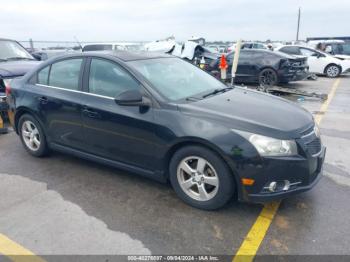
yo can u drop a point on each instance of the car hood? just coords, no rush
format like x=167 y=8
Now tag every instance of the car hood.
x=254 y=112
x=16 y=68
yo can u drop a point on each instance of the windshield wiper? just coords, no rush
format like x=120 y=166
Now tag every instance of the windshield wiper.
x=19 y=58
x=193 y=98
x=217 y=91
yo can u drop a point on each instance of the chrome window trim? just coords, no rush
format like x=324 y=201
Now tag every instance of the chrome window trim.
x=75 y=91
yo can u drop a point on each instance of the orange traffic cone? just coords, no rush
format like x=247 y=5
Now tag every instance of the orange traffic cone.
x=223 y=67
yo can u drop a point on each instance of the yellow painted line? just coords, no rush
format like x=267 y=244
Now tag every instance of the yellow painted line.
x=252 y=241
x=256 y=234
x=325 y=105
x=16 y=252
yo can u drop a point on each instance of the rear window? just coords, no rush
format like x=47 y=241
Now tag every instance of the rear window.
x=43 y=76
x=65 y=74
x=292 y=50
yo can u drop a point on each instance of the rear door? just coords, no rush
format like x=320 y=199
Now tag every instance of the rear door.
x=121 y=133
x=57 y=94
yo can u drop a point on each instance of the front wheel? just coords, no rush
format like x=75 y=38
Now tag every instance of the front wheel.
x=332 y=71
x=268 y=77
x=201 y=178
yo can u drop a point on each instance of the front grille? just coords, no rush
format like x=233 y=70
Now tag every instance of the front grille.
x=314 y=147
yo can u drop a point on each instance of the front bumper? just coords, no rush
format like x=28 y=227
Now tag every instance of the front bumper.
x=303 y=172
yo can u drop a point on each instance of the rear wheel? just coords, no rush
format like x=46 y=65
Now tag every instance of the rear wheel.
x=268 y=77
x=32 y=136
x=201 y=178
x=332 y=71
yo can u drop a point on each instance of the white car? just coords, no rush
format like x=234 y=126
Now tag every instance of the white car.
x=248 y=45
x=319 y=62
x=337 y=48
x=112 y=46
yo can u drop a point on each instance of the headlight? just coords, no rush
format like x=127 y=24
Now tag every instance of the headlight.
x=268 y=146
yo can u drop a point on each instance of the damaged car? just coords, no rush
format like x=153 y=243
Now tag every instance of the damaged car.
x=15 y=61
x=264 y=67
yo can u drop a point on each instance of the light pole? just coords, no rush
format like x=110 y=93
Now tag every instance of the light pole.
x=298 y=25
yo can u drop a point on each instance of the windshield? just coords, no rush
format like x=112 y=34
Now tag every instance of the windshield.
x=11 y=49
x=176 y=79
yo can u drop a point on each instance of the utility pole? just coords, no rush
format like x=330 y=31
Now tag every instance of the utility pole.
x=298 y=25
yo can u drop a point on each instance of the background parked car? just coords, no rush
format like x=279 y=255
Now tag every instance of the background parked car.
x=264 y=67
x=319 y=62
x=112 y=46
x=217 y=48
x=339 y=50
x=248 y=45
x=15 y=61
x=42 y=55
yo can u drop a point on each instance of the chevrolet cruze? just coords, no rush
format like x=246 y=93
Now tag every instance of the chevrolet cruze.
x=164 y=118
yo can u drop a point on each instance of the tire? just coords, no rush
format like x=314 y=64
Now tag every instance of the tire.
x=332 y=71
x=189 y=186
x=268 y=77
x=32 y=136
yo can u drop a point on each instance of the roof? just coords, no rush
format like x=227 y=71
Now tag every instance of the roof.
x=5 y=39
x=129 y=56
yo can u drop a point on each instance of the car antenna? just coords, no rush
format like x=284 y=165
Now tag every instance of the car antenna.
x=76 y=39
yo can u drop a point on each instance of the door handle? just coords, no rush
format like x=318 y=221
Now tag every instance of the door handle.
x=90 y=113
x=43 y=99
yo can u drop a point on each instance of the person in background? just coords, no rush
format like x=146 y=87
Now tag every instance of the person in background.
x=321 y=47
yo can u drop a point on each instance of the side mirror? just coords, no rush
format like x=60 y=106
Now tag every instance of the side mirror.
x=132 y=98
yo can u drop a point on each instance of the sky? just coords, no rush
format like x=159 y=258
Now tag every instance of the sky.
x=147 y=20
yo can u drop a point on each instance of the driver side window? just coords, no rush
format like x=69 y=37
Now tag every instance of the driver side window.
x=109 y=79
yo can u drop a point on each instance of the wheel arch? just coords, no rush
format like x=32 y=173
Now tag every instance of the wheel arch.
x=198 y=142
x=20 y=112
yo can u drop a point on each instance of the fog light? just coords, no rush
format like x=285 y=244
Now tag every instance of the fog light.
x=272 y=187
x=286 y=185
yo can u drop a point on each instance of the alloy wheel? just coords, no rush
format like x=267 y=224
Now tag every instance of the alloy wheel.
x=197 y=178
x=30 y=135
x=332 y=71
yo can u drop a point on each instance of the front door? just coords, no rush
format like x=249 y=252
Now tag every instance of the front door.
x=121 y=133
x=316 y=61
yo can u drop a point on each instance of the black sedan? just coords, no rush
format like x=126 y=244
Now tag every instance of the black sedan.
x=162 y=117
x=264 y=67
